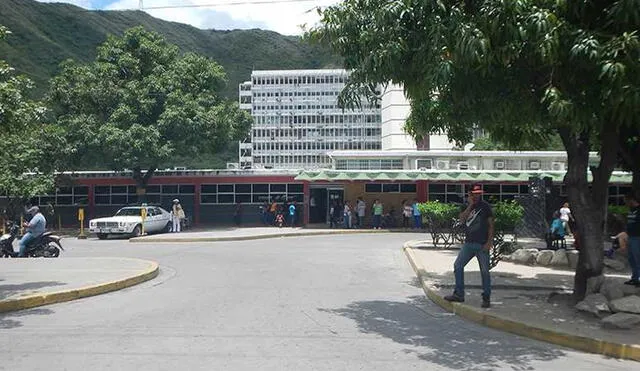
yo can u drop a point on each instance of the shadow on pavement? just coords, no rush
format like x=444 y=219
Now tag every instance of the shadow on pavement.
x=7 y=320
x=445 y=340
x=7 y=291
x=504 y=280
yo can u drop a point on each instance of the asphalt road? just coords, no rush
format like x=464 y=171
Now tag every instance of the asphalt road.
x=309 y=303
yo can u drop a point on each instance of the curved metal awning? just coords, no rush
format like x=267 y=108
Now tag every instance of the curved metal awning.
x=440 y=176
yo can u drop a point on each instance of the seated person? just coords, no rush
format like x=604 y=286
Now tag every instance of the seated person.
x=619 y=242
x=556 y=232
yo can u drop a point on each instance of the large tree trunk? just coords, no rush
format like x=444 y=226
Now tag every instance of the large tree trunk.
x=142 y=180
x=588 y=206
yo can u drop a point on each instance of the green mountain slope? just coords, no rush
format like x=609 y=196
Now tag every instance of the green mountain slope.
x=45 y=34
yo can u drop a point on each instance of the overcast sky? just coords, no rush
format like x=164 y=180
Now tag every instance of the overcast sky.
x=284 y=18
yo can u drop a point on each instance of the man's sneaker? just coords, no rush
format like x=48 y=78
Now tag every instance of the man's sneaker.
x=486 y=303
x=633 y=283
x=454 y=298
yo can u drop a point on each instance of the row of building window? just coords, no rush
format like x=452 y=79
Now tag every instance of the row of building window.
x=390 y=188
x=284 y=108
x=295 y=80
x=347 y=118
x=256 y=193
x=290 y=107
x=319 y=145
x=293 y=161
x=78 y=195
x=250 y=193
x=369 y=164
x=277 y=94
x=300 y=133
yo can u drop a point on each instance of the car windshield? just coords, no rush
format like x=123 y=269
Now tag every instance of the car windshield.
x=128 y=212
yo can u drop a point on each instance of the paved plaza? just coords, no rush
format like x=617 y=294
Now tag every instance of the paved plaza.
x=344 y=302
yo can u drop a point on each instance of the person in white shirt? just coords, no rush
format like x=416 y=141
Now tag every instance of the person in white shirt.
x=177 y=214
x=565 y=217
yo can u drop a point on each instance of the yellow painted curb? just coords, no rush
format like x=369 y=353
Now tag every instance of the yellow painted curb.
x=38 y=300
x=582 y=343
x=254 y=237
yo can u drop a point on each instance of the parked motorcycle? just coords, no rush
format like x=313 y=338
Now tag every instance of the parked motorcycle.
x=47 y=245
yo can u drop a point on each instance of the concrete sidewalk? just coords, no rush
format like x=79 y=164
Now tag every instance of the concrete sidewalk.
x=530 y=301
x=250 y=233
x=28 y=283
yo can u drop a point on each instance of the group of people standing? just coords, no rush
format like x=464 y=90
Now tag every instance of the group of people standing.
x=353 y=215
x=280 y=215
x=348 y=214
x=411 y=211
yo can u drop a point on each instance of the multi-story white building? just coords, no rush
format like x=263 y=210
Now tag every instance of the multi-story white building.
x=395 y=111
x=297 y=119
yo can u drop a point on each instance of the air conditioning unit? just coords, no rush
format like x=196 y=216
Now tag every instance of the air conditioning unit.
x=463 y=165
x=442 y=165
x=424 y=164
x=557 y=166
x=499 y=165
x=534 y=165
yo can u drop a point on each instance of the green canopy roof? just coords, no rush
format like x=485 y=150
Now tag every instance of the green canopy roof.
x=405 y=176
x=340 y=176
x=383 y=176
x=305 y=176
x=441 y=176
x=361 y=176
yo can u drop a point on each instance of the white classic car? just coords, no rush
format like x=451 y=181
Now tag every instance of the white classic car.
x=128 y=220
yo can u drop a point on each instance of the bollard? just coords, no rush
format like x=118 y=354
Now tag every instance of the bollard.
x=81 y=236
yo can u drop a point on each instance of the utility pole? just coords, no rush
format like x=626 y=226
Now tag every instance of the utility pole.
x=140 y=5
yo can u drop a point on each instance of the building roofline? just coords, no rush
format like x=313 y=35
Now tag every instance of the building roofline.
x=452 y=153
x=297 y=72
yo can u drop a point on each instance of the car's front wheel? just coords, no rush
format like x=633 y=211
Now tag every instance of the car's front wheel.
x=137 y=231
x=102 y=236
x=167 y=228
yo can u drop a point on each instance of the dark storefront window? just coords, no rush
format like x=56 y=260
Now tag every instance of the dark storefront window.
x=250 y=193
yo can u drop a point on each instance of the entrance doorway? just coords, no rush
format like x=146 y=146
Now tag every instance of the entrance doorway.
x=320 y=200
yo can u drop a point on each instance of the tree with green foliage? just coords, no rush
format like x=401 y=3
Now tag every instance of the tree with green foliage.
x=521 y=70
x=31 y=149
x=486 y=143
x=141 y=103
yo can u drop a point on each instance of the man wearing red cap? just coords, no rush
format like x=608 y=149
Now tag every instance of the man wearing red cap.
x=478 y=219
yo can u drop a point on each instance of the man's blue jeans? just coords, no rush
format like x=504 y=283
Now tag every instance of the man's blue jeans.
x=634 y=257
x=468 y=251
x=417 y=219
x=24 y=241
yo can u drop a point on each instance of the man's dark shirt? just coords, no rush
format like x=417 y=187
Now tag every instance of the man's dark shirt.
x=477 y=223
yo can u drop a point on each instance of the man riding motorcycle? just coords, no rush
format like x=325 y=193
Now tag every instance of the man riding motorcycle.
x=35 y=227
